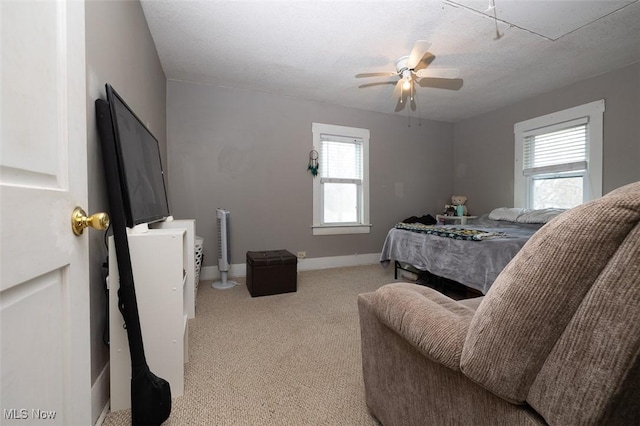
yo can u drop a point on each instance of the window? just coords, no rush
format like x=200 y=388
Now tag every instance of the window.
x=341 y=189
x=558 y=158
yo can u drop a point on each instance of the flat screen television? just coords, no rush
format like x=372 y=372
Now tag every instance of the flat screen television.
x=144 y=194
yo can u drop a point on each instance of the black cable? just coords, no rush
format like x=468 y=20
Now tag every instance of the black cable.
x=106 y=235
x=105 y=277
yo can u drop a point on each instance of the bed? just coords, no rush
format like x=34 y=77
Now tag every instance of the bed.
x=474 y=262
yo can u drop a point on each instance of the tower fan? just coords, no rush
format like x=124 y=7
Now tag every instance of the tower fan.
x=224 y=250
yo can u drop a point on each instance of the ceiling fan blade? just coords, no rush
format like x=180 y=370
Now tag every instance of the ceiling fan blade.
x=438 y=73
x=425 y=61
x=397 y=91
x=381 y=83
x=420 y=48
x=441 y=83
x=375 y=74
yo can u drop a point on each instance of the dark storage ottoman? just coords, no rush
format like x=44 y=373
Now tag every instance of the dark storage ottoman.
x=271 y=272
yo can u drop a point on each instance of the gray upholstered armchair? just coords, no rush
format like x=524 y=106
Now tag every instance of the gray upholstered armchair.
x=556 y=340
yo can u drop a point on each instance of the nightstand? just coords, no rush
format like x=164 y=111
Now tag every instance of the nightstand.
x=462 y=220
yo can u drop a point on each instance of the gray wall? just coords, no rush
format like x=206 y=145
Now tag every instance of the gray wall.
x=248 y=152
x=483 y=153
x=120 y=51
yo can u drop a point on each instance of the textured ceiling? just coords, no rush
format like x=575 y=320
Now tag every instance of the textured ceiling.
x=313 y=49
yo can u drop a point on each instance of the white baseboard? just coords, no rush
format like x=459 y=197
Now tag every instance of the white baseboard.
x=100 y=397
x=240 y=269
x=338 y=261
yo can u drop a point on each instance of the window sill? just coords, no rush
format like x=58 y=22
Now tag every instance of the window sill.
x=340 y=229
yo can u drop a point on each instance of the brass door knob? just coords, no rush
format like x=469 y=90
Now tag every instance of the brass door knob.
x=79 y=221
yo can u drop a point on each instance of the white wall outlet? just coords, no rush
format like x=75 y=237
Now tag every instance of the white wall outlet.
x=302 y=254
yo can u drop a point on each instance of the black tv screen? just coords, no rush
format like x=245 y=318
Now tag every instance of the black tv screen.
x=140 y=165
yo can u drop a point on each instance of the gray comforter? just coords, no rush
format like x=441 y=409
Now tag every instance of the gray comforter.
x=476 y=264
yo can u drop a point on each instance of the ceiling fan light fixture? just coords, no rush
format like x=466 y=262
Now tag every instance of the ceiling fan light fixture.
x=406 y=79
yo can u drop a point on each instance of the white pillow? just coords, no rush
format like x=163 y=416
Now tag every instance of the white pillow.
x=539 y=216
x=509 y=214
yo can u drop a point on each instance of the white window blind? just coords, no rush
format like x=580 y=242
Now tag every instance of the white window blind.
x=341 y=159
x=559 y=148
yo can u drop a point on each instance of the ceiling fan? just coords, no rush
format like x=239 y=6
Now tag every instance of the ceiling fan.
x=412 y=69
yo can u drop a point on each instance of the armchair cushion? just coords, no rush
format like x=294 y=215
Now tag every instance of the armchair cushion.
x=583 y=366
x=538 y=293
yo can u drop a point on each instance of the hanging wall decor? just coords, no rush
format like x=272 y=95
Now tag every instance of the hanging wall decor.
x=313 y=162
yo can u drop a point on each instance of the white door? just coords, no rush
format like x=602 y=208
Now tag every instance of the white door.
x=44 y=279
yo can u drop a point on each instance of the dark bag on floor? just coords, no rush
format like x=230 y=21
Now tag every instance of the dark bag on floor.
x=150 y=398
x=150 y=394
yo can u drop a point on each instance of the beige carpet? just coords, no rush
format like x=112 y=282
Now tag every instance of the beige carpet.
x=288 y=359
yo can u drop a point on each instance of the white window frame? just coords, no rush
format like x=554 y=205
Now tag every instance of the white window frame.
x=363 y=226
x=593 y=112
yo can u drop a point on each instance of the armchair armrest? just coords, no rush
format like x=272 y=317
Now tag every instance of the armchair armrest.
x=434 y=324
